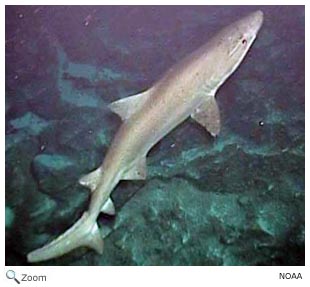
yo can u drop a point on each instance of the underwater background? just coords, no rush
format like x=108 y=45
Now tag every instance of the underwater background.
x=237 y=199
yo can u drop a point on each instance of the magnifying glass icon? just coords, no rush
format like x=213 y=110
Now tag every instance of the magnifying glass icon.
x=10 y=274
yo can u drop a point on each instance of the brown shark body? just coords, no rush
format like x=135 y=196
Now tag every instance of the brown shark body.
x=187 y=89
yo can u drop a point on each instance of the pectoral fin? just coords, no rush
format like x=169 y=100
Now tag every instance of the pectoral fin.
x=137 y=171
x=128 y=106
x=208 y=115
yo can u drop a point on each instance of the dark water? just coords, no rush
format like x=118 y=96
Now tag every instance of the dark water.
x=234 y=200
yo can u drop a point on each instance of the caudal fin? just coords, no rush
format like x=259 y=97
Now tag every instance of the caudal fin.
x=84 y=232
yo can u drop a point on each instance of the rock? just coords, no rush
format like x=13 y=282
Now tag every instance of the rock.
x=83 y=129
x=23 y=129
x=9 y=217
x=171 y=218
x=19 y=181
x=78 y=98
x=276 y=219
x=53 y=172
x=13 y=140
x=109 y=74
x=41 y=209
x=30 y=122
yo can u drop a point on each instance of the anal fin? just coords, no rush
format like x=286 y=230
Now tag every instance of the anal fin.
x=108 y=207
x=137 y=171
x=208 y=115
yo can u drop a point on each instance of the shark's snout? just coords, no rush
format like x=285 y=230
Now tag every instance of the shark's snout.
x=257 y=20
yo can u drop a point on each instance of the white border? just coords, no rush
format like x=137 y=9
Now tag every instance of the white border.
x=153 y=2
x=154 y=276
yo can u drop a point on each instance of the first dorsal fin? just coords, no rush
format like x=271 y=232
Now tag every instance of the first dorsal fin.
x=128 y=106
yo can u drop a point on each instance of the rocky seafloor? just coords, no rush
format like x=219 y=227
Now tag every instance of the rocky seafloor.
x=237 y=199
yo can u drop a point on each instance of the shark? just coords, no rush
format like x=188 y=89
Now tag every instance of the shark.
x=186 y=90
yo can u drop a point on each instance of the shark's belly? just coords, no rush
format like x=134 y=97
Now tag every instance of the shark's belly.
x=148 y=127
x=172 y=101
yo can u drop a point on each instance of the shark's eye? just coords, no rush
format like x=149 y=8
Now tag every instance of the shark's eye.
x=244 y=41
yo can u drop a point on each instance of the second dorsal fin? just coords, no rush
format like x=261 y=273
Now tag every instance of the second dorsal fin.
x=128 y=106
x=91 y=180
